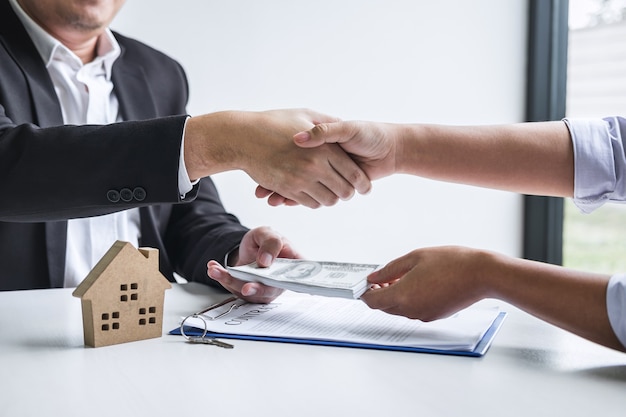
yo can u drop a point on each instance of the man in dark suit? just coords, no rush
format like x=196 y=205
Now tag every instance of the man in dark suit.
x=93 y=124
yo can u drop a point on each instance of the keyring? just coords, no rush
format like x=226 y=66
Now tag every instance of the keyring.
x=203 y=339
x=204 y=317
x=200 y=315
x=182 y=326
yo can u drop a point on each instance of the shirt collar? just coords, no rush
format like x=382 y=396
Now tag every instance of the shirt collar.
x=108 y=49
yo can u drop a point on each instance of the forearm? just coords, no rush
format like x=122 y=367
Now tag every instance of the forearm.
x=573 y=300
x=530 y=158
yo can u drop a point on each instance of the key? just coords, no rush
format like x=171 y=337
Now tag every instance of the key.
x=210 y=341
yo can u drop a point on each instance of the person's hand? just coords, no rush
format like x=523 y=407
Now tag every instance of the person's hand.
x=261 y=144
x=262 y=245
x=429 y=284
x=373 y=146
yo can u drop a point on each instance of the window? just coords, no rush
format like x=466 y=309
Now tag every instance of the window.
x=596 y=87
x=105 y=318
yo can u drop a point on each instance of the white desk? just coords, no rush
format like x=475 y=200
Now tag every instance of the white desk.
x=532 y=369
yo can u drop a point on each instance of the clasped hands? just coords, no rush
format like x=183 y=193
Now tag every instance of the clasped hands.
x=262 y=145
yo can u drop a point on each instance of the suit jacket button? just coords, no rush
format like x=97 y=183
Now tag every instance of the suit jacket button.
x=113 y=196
x=126 y=194
x=139 y=193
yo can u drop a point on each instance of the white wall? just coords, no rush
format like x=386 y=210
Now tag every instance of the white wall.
x=445 y=61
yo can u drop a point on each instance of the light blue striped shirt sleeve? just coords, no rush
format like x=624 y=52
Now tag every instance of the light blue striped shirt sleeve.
x=616 y=305
x=599 y=162
x=599 y=177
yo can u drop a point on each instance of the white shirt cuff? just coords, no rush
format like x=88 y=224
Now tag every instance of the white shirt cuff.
x=184 y=182
x=616 y=305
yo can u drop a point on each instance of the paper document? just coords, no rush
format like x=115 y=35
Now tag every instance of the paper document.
x=330 y=279
x=301 y=318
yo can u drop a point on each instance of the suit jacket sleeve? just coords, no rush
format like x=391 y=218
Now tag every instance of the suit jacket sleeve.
x=68 y=171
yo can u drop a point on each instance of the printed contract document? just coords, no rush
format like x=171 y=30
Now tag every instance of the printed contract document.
x=302 y=318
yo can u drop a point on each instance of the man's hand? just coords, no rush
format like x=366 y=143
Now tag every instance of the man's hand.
x=262 y=245
x=261 y=144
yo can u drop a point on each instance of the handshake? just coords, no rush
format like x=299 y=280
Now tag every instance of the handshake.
x=307 y=158
x=297 y=157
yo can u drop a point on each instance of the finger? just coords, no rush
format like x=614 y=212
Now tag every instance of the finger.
x=253 y=292
x=335 y=188
x=270 y=244
x=392 y=300
x=291 y=203
x=301 y=199
x=218 y=273
x=276 y=200
x=380 y=298
x=324 y=133
x=393 y=271
x=314 y=196
x=355 y=178
x=273 y=198
x=331 y=186
x=318 y=194
x=262 y=192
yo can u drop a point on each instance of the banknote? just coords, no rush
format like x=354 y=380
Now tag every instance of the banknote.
x=331 y=279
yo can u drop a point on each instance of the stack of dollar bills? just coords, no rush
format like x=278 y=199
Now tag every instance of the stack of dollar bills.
x=329 y=279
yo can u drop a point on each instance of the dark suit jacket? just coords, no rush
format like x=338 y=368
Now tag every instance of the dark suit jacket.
x=50 y=172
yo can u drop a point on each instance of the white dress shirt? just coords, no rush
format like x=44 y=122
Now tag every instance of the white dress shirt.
x=599 y=177
x=86 y=96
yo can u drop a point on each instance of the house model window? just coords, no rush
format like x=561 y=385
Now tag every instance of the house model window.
x=122 y=297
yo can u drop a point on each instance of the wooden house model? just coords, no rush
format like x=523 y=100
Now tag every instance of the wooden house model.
x=122 y=297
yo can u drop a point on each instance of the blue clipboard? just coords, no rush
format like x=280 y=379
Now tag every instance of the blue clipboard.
x=480 y=350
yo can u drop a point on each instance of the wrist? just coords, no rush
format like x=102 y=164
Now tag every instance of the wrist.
x=505 y=278
x=210 y=144
x=488 y=272
x=410 y=151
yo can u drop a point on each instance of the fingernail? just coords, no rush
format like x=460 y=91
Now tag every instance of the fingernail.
x=248 y=291
x=265 y=259
x=214 y=273
x=302 y=137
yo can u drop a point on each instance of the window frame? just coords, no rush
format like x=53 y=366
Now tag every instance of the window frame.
x=545 y=100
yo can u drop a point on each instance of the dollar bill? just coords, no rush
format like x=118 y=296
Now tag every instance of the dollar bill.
x=331 y=279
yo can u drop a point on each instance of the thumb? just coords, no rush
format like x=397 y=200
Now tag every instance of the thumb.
x=322 y=133
x=391 y=272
